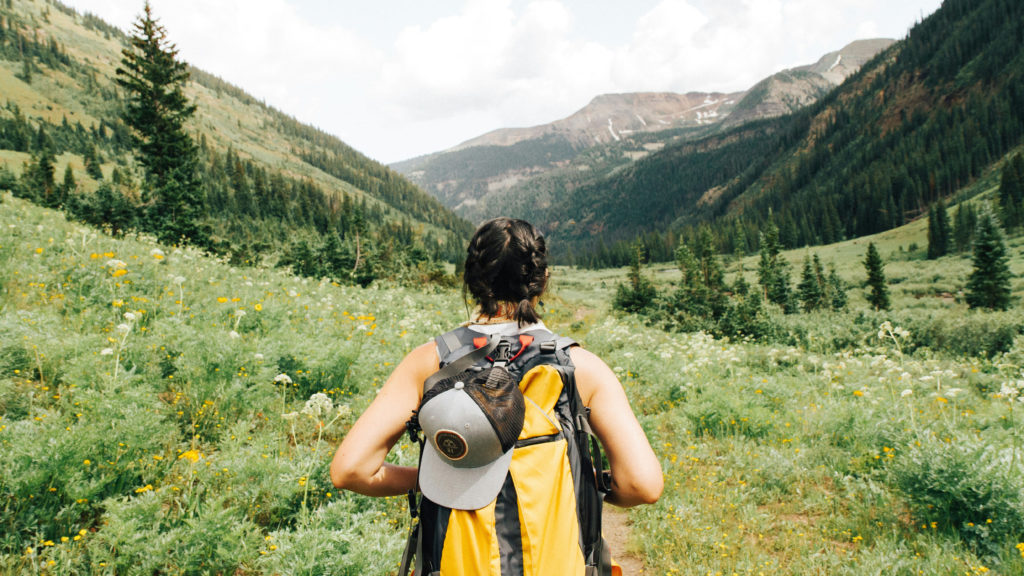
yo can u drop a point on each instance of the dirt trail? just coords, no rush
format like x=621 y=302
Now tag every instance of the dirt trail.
x=615 y=526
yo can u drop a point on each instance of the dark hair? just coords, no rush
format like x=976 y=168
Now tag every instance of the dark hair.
x=506 y=262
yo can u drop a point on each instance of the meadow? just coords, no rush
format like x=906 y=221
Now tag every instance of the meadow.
x=164 y=412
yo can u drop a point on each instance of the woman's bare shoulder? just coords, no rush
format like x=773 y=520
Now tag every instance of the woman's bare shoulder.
x=586 y=360
x=592 y=374
x=414 y=368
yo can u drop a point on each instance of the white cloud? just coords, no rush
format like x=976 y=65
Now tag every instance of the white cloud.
x=300 y=66
x=394 y=90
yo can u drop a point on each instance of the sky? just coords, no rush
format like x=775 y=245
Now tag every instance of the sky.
x=396 y=79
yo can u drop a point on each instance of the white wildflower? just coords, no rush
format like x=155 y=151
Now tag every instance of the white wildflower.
x=290 y=416
x=1011 y=390
x=179 y=279
x=124 y=328
x=130 y=316
x=233 y=334
x=282 y=378
x=884 y=330
x=106 y=352
x=258 y=356
x=156 y=253
x=906 y=393
x=114 y=263
x=239 y=313
x=318 y=404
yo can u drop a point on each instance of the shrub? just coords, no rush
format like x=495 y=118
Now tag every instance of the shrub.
x=722 y=413
x=964 y=486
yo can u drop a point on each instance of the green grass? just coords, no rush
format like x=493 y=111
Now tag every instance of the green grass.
x=142 y=429
x=160 y=433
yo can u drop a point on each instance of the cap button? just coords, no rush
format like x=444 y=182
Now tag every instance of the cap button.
x=460 y=385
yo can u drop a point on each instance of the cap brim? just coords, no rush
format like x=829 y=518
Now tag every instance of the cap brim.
x=461 y=488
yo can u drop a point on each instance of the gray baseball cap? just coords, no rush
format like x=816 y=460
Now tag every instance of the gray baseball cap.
x=471 y=426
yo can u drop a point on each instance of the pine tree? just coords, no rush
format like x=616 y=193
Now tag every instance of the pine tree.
x=26 y=70
x=92 y=163
x=157 y=109
x=687 y=264
x=836 y=290
x=932 y=226
x=810 y=288
x=965 y=223
x=878 y=296
x=938 y=230
x=702 y=290
x=712 y=274
x=67 y=187
x=639 y=293
x=37 y=180
x=1011 y=192
x=773 y=270
x=988 y=285
x=944 y=228
x=112 y=209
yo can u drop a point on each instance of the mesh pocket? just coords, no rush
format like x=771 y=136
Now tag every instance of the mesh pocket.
x=498 y=395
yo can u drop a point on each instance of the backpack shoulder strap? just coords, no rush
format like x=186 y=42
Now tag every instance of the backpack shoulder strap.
x=452 y=342
x=461 y=364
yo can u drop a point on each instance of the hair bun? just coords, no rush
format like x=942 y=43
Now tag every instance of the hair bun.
x=506 y=263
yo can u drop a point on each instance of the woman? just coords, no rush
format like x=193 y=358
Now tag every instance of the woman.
x=505 y=274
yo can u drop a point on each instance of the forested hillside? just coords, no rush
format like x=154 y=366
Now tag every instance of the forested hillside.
x=517 y=171
x=272 y=187
x=916 y=124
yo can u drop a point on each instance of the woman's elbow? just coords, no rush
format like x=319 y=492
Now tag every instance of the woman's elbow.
x=648 y=491
x=652 y=489
x=637 y=491
x=344 y=473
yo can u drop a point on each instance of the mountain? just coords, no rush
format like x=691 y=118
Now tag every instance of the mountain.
x=790 y=90
x=922 y=121
x=491 y=174
x=271 y=182
x=611 y=117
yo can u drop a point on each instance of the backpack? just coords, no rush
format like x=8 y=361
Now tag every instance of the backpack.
x=546 y=519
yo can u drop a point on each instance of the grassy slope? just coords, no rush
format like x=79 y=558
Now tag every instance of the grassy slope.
x=911 y=277
x=777 y=460
x=225 y=120
x=783 y=460
x=83 y=432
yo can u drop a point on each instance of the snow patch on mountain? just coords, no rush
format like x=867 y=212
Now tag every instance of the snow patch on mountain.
x=707 y=102
x=612 y=131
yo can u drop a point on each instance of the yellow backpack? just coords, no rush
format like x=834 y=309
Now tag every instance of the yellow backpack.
x=546 y=519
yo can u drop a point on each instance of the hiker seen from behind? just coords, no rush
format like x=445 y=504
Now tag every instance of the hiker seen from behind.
x=514 y=424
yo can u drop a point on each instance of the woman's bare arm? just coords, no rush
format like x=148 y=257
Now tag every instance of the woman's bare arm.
x=636 y=471
x=359 y=464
